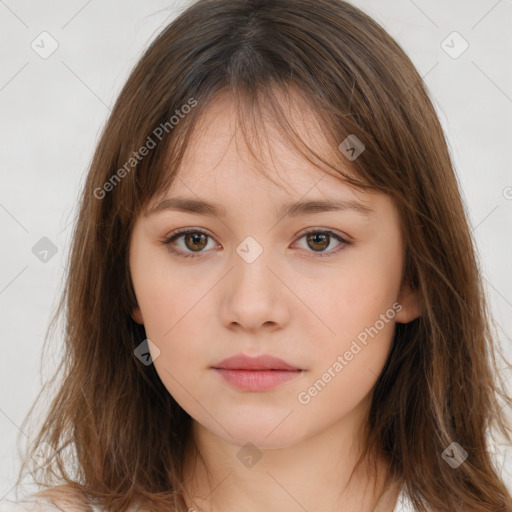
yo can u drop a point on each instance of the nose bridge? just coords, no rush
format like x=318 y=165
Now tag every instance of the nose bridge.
x=251 y=273
x=253 y=296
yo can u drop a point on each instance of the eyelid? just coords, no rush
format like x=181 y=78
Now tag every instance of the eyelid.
x=343 y=239
x=181 y=231
x=334 y=232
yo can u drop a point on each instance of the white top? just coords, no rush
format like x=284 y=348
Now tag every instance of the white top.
x=403 y=503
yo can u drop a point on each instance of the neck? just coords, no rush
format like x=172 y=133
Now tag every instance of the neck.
x=318 y=473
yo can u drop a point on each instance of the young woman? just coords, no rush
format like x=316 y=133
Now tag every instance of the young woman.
x=273 y=299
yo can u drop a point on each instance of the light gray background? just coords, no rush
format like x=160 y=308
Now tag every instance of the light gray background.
x=52 y=111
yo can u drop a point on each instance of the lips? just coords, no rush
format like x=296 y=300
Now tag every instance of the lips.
x=260 y=363
x=256 y=374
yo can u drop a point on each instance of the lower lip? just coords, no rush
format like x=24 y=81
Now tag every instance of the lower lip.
x=260 y=380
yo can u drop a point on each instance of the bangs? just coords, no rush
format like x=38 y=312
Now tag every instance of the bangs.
x=282 y=106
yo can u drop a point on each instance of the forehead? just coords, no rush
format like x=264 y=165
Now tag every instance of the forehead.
x=229 y=149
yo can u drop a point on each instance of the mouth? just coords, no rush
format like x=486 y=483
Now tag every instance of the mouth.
x=256 y=373
x=260 y=363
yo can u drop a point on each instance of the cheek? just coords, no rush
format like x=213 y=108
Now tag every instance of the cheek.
x=171 y=315
x=164 y=294
x=369 y=284
x=176 y=321
x=357 y=316
x=350 y=300
x=347 y=364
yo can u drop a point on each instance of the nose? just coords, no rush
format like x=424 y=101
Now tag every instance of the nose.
x=254 y=296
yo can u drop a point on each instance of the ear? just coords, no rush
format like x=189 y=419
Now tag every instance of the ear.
x=410 y=301
x=137 y=315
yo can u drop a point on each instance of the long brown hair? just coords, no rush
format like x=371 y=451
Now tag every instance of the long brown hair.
x=119 y=435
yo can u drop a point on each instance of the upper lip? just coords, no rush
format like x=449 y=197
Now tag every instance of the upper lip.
x=263 y=362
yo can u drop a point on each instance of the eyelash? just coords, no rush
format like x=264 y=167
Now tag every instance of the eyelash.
x=180 y=232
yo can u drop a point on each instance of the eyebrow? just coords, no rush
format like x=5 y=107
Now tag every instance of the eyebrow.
x=199 y=207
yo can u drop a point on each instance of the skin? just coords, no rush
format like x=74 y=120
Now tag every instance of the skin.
x=290 y=302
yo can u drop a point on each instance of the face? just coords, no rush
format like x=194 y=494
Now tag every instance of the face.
x=318 y=288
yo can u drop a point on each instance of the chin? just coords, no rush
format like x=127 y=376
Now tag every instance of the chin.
x=265 y=433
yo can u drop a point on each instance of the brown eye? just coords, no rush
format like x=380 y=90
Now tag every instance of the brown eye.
x=318 y=241
x=188 y=243
x=195 y=241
